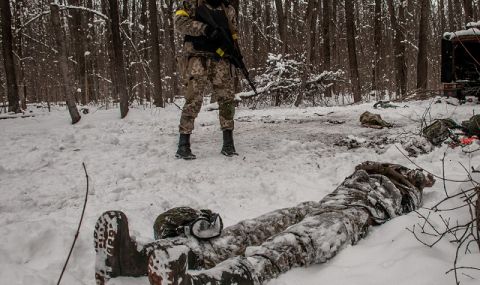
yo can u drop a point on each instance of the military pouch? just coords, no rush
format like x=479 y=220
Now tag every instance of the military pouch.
x=439 y=131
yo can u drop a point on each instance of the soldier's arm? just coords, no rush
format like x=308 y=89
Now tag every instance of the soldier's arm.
x=184 y=22
x=232 y=16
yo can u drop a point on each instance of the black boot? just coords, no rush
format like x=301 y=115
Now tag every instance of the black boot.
x=184 y=150
x=228 y=148
x=117 y=253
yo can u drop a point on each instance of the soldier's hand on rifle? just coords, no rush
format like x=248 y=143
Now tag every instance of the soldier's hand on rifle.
x=213 y=33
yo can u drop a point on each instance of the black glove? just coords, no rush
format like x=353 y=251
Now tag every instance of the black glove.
x=213 y=34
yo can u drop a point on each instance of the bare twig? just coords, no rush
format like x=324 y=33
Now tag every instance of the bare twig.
x=79 y=225
x=429 y=172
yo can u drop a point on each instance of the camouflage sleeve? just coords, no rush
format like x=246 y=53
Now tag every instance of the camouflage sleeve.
x=184 y=22
x=232 y=16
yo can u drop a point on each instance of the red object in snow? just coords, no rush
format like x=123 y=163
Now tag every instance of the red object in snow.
x=468 y=141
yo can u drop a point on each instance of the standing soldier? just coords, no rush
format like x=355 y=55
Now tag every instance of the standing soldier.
x=206 y=62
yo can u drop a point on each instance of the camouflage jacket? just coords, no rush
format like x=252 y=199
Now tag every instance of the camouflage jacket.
x=186 y=24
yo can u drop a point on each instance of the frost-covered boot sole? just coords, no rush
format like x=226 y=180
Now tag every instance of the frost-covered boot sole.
x=116 y=252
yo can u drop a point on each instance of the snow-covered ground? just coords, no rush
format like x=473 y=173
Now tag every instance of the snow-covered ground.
x=286 y=156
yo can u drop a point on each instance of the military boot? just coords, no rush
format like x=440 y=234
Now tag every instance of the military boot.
x=228 y=148
x=184 y=151
x=117 y=253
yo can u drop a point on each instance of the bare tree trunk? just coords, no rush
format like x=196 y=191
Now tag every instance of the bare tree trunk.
x=468 y=7
x=422 y=60
x=282 y=25
x=146 y=87
x=377 y=38
x=60 y=40
x=352 y=50
x=78 y=35
x=157 y=97
x=441 y=14
x=399 y=48
x=170 y=33
x=457 y=9
x=19 y=6
x=310 y=18
x=91 y=57
x=327 y=35
x=451 y=16
x=7 y=48
x=268 y=20
x=119 y=80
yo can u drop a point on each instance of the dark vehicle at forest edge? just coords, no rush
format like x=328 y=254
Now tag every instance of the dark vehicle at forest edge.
x=461 y=63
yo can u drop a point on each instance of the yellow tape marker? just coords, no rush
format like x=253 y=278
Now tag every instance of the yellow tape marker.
x=182 y=13
x=220 y=52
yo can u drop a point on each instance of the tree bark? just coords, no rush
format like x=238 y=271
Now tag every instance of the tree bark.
x=468 y=8
x=352 y=50
x=377 y=38
x=19 y=9
x=451 y=16
x=157 y=80
x=146 y=87
x=326 y=35
x=422 y=59
x=79 y=42
x=119 y=80
x=441 y=14
x=170 y=35
x=282 y=25
x=399 y=48
x=60 y=39
x=7 y=49
x=457 y=9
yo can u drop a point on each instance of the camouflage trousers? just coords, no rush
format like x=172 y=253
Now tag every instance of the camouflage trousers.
x=202 y=71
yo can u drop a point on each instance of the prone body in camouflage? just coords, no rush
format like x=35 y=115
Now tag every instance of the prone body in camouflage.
x=201 y=69
x=374 y=121
x=314 y=232
x=257 y=250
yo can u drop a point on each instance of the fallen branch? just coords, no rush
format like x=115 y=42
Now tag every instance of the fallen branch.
x=6 y=117
x=79 y=225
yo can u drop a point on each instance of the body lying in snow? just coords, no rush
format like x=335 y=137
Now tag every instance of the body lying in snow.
x=257 y=250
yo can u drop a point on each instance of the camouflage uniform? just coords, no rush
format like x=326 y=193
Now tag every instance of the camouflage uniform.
x=201 y=68
x=374 y=121
x=257 y=250
x=310 y=233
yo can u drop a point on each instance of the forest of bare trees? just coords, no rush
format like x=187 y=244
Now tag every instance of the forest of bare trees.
x=124 y=51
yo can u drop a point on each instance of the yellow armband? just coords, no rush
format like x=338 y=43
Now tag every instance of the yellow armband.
x=182 y=13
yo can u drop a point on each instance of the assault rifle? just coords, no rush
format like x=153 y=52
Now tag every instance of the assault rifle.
x=229 y=48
